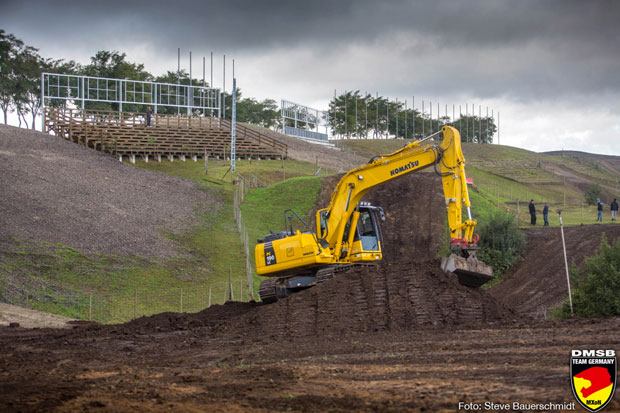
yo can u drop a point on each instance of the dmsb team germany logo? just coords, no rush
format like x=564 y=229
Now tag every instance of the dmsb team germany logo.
x=593 y=377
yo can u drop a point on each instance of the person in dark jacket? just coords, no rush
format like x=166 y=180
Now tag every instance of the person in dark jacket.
x=532 y=213
x=149 y=114
x=599 y=208
x=546 y=214
x=614 y=210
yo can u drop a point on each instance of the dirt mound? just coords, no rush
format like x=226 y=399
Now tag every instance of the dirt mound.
x=415 y=226
x=209 y=318
x=389 y=297
x=407 y=289
x=538 y=282
x=60 y=192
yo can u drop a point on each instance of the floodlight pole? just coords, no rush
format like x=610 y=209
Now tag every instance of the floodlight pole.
x=178 y=80
x=233 y=128
x=422 y=118
x=430 y=116
x=190 y=97
x=413 y=116
x=570 y=295
x=42 y=102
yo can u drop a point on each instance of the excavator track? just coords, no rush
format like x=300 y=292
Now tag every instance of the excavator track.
x=267 y=291
x=274 y=289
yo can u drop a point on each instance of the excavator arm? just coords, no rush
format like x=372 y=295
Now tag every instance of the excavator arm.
x=448 y=160
x=348 y=230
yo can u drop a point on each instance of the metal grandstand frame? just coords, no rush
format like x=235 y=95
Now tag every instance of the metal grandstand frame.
x=77 y=88
x=312 y=118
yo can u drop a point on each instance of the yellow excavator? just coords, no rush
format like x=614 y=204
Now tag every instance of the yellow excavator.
x=294 y=260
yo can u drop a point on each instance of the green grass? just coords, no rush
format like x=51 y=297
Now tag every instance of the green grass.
x=263 y=209
x=58 y=279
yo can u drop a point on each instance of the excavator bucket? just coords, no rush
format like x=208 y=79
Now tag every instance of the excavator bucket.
x=471 y=272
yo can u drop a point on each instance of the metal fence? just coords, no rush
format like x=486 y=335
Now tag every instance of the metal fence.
x=113 y=308
x=81 y=89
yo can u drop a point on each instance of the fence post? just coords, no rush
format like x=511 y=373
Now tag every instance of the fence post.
x=232 y=298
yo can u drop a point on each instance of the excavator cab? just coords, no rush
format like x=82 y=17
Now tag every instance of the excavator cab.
x=367 y=240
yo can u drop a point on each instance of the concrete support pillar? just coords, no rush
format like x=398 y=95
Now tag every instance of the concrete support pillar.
x=183 y=158
x=146 y=158
x=120 y=158
x=132 y=158
x=159 y=157
x=171 y=158
x=195 y=158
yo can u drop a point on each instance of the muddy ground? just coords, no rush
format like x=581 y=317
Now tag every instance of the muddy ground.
x=190 y=365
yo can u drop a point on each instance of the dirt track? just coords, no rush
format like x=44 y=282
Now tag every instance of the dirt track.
x=191 y=366
x=538 y=282
x=402 y=337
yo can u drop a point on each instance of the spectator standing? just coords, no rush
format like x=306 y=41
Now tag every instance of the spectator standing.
x=532 y=212
x=546 y=214
x=614 y=210
x=599 y=207
x=149 y=113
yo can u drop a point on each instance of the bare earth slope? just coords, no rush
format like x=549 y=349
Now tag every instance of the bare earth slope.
x=538 y=282
x=31 y=318
x=56 y=191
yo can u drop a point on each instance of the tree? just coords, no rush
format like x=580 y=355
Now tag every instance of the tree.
x=501 y=241
x=592 y=194
x=27 y=99
x=10 y=48
x=596 y=291
x=113 y=65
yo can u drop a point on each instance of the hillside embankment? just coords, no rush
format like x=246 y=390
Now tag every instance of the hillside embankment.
x=55 y=191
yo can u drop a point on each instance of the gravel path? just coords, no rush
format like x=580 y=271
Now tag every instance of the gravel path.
x=55 y=191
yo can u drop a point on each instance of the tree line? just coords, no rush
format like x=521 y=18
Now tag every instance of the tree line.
x=20 y=84
x=356 y=115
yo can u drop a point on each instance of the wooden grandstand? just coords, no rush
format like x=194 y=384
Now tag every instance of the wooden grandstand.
x=126 y=134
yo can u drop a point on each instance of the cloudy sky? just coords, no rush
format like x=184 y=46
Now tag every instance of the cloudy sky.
x=551 y=68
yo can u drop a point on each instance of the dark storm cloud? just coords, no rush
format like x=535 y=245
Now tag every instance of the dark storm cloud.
x=253 y=23
x=559 y=45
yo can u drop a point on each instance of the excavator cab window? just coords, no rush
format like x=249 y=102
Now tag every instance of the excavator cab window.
x=323 y=223
x=367 y=230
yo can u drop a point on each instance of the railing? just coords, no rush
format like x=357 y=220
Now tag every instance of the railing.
x=244 y=131
x=303 y=133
